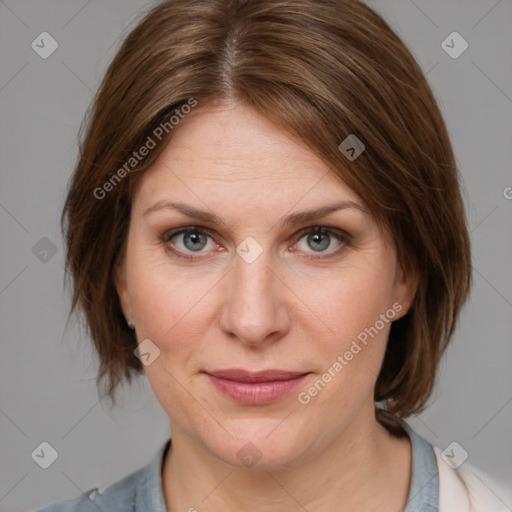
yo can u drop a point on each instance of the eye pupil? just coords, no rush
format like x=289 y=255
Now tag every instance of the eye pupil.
x=194 y=237
x=319 y=238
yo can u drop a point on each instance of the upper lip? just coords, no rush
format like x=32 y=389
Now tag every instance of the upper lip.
x=241 y=375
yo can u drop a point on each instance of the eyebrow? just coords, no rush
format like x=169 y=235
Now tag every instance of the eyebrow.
x=292 y=219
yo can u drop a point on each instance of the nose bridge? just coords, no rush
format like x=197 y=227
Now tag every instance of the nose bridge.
x=252 y=309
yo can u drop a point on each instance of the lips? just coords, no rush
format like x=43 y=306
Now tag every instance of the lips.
x=255 y=388
x=262 y=376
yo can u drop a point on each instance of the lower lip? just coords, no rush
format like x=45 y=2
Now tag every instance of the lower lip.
x=256 y=393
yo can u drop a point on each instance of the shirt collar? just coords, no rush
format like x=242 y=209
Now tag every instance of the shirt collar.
x=149 y=494
x=424 y=486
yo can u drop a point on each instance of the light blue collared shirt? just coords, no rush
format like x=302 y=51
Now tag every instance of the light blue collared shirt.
x=141 y=491
x=424 y=487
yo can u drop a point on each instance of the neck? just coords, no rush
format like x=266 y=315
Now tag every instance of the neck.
x=363 y=469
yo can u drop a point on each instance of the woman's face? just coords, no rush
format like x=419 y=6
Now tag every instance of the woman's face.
x=257 y=291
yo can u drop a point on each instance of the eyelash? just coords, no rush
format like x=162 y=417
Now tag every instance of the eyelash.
x=339 y=234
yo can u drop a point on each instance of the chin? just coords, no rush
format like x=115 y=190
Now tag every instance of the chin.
x=257 y=446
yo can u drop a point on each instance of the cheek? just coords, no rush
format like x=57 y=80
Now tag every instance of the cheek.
x=355 y=311
x=170 y=306
x=343 y=304
x=169 y=312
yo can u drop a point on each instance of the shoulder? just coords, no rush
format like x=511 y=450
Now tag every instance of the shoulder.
x=140 y=491
x=467 y=489
x=117 y=497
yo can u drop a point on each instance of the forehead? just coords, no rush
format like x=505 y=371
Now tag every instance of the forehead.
x=232 y=154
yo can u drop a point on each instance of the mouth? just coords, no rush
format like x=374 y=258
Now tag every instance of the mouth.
x=255 y=388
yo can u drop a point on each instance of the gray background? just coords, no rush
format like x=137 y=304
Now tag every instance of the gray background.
x=47 y=387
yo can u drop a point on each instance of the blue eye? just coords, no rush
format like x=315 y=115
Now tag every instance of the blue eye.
x=319 y=238
x=192 y=239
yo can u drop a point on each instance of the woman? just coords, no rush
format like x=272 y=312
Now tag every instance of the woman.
x=266 y=220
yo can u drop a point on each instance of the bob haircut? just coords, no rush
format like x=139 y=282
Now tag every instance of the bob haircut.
x=321 y=70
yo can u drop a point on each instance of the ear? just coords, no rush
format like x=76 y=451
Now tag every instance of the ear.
x=406 y=283
x=120 y=284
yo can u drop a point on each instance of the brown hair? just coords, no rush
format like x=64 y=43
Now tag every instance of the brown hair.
x=321 y=69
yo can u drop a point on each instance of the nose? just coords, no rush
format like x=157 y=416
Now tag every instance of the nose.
x=255 y=310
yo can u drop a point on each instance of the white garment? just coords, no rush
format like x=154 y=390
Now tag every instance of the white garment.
x=467 y=489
